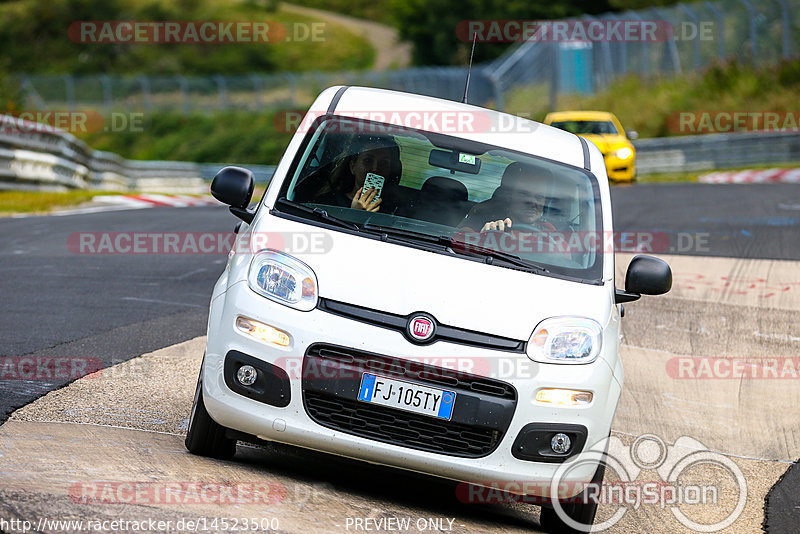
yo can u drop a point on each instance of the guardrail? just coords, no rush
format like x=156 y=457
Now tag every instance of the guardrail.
x=47 y=159
x=41 y=158
x=716 y=151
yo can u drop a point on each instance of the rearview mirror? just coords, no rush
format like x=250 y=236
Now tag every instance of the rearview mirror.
x=455 y=161
x=633 y=135
x=646 y=276
x=234 y=186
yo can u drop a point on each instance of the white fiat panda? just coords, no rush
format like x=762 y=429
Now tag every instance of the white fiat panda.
x=426 y=285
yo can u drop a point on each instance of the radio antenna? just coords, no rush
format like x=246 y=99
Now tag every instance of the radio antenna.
x=469 y=70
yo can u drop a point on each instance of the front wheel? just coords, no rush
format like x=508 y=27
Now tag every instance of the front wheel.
x=579 y=511
x=206 y=437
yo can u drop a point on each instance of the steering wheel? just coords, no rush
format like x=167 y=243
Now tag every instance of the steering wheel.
x=522 y=227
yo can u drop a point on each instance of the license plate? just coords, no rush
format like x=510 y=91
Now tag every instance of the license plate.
x=406 y=396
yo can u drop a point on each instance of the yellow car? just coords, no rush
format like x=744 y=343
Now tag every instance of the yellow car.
x=604 y=130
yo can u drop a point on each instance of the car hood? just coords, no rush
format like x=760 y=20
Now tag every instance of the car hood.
x=608 y=142
x=458 y=292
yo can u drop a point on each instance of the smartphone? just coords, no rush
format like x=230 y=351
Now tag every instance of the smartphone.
x=374 y=181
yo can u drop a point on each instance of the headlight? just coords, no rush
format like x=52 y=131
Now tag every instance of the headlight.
x=284 y=279
x=565 y=340
x=624 y=153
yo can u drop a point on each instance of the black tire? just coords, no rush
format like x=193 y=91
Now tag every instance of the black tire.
x=581 y=512
x=206 y=437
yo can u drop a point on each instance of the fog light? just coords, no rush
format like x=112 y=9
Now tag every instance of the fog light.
x=247 y=374
x=564 y=397
x=263 y=332
x=560 y=443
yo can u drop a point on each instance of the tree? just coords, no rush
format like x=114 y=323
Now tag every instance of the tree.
x=432 y=27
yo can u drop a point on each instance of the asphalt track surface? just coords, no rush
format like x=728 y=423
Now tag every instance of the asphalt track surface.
x=114 y=308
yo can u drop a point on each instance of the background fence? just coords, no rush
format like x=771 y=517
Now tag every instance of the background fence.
x=53 y=160
x=757 y=33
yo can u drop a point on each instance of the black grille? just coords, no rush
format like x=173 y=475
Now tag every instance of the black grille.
x=400 y=428
x=398 y=323
x=483 y=410
x=417 y=371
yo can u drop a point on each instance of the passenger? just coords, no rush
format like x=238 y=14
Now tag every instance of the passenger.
x=520 y=199
x=365 y=153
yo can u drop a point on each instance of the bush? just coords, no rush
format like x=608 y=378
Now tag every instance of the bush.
x=34 y=39
x=234 y=137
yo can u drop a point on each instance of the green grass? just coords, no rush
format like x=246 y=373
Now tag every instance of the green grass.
x=34 y=39
x=12 y=202
x=235 y=136
x=247 y=137
x=374 y=10
x=646 y=106
x=670 y=177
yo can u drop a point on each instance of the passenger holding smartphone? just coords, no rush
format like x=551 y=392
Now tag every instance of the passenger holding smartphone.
x=373 y=160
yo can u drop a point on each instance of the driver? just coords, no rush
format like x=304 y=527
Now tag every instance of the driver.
x=519 y=200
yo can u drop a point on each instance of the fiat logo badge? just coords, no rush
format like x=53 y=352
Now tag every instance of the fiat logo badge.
x=421 y=328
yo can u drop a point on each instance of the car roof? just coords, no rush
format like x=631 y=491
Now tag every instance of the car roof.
x=580 y=115
x=487 y=126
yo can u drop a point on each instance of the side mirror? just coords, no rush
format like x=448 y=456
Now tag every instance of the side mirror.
x=646 y=276
x=633 y=135
x=234 y=186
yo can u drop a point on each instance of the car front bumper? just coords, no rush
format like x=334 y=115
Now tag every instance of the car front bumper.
x=292 y=422
x=621 y=170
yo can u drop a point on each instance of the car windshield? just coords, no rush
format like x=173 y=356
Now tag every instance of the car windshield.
x=469 y=199
x=587 y=127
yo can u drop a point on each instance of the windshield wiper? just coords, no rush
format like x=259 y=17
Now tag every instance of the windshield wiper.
x=319 y=213
x=411 y=234
x=492 y=254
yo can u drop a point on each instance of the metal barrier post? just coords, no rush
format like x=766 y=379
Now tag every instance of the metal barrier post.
x=644 y=48
x=696 y=41
x=184 y=94
x=69 y=86
x=144 y=81
x=672 y=48
x=720 y=28
x=785 y=29
x=221 y=91
x=105 y=81
x=753 y=34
